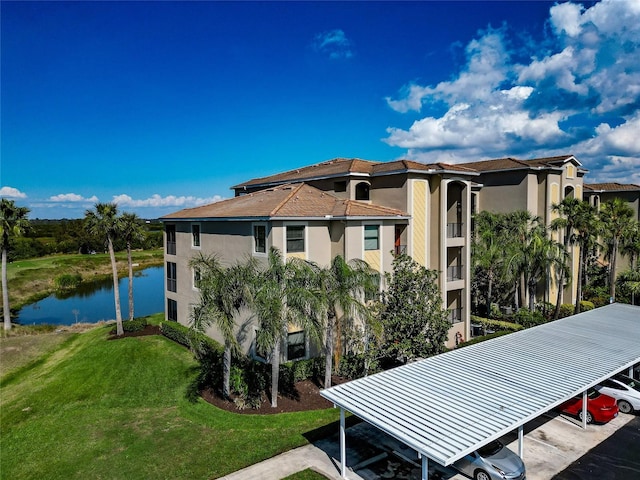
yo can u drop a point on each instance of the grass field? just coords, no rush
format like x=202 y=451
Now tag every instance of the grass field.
x=31 y=280
x=115 y=409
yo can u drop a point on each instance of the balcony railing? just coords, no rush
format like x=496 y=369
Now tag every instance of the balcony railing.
x=454 y=230
x=454 y=273
x=455 y=315
x=400 y=249
x=171 y=248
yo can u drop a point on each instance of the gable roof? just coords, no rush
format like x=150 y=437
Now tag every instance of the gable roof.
x=286 y=201
x=611 y=187
x=340 y=167
x=509 y=163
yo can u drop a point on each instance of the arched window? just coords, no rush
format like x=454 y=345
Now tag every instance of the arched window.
x=362 y=191
x=568 y=192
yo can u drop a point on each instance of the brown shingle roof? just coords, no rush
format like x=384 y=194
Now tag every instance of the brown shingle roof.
x=345 y=166
x=611 y=187
x=509 y=163
x=286 y=201
x=337 y=166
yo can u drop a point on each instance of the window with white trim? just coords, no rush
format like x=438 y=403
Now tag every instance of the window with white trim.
x=372 y=237
x=259 y=239
x=296 y=345
x=295 y=238
x=195 y=235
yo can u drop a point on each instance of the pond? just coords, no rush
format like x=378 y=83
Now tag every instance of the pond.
x=93 y=301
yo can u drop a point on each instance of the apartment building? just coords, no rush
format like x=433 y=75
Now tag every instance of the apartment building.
x=598 y=193
x=508 y=184
x=350 y=207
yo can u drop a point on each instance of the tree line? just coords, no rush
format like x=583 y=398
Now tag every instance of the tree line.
x=514 y=253
x=50 y=237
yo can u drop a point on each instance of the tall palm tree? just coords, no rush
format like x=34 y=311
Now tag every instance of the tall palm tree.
x=487 y=249
x=103 y=221
x=341 y=290
x=223 y=293
x=630 y=243
x=615 y=215
x=536 y=256
x=284 y=296
x=587 y=228
x=568 y=210
x=130 y=231
x=13 y=223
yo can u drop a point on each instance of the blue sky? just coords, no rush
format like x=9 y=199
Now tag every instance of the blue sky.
x=160 y=106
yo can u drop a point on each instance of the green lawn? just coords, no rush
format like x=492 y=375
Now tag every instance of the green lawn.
x=307 y=474
x=98 y=408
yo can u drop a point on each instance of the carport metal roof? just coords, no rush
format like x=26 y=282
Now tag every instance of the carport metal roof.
x=447 y=406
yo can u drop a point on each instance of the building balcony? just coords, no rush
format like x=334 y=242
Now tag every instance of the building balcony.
x=454 y=230
x=455 y=315
x=454 y=273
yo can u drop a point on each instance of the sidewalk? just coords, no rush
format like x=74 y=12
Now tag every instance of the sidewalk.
x=292 y=462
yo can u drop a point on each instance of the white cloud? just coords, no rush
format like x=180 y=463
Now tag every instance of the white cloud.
x=333 y=43
x=10 y=192
x=168 y=201
x=72 y=198
x=578 y=93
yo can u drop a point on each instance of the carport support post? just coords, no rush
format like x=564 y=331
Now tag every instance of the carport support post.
x=343 y=446
x=425 y=467
x=520 y=441
x=584 y=410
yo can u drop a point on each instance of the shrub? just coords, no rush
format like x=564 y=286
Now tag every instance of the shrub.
x=497 y=325
x=585 y=306
x=134 y=325
x=292 y=372
x=566 y=310
x=483 y=338
x=527 y=318
x=67 y=281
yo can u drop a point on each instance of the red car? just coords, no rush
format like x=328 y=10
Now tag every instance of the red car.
x=600 y=407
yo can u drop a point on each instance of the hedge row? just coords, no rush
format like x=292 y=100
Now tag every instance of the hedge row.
x=186 y=337
x=497 y=325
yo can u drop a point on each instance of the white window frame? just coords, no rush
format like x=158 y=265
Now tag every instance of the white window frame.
x=193 y=245
x=253 y=239
x=305 y=239
x=364 y=237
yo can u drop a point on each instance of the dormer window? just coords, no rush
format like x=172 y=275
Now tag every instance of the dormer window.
x=362 y=191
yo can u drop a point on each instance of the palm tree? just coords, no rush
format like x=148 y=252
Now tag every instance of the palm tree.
x=130 y=231
x=536 y=256
x=103 y=221
x=487 y=250
x=341 y=289
x=13 y=223
x=568 y=210
x=284 y=296
x=615 y=215
x=223 y=293
x=587 y=227
x=630 y=243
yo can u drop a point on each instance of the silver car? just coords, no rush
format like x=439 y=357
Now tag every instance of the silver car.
x=625 y=390
x=494 y=461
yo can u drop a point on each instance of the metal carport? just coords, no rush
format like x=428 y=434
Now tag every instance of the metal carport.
x=447 y=406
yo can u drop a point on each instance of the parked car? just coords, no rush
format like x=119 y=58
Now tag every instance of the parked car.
x=625 y=390
x=494 y=461
x=600 y=408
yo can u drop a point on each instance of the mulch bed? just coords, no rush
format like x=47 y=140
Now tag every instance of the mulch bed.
x=306 y=395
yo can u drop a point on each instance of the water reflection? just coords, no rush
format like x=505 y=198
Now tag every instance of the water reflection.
x=93 y=301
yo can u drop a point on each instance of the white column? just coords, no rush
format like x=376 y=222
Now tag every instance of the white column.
x=584 y=409
x=425 y=468
x=343 y=446
x=521 y=441
x=630 y=371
